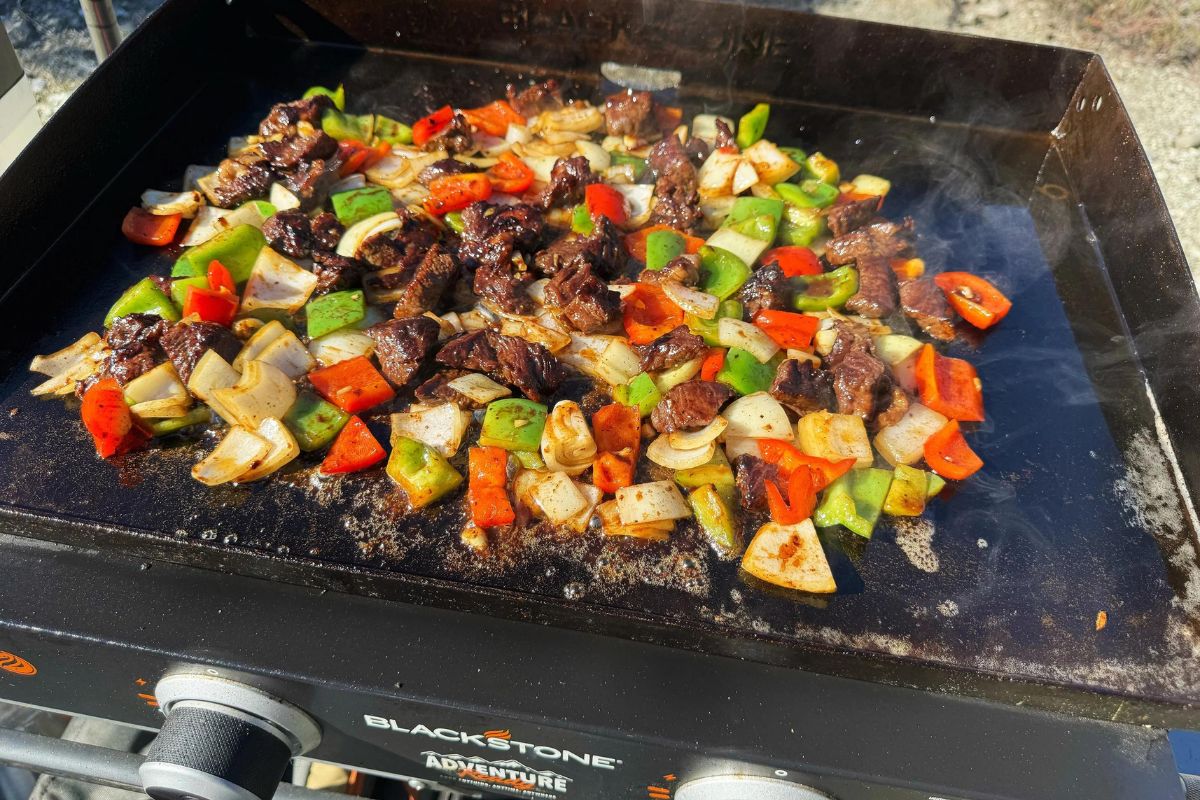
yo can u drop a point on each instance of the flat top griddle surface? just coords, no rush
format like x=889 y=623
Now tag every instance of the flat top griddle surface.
x=1076 y=512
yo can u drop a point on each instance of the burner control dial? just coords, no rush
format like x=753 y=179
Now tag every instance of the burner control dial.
x=745 y=787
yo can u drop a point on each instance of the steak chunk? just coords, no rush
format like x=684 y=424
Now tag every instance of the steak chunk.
x=602 y=250
x=671 y=349
x=725 y=137
x=134 y=345
x=421 y=292
x=290 y=233
x=243 y=177
x=676 y=186
x=442 y=168
x=472 y=351
x=751 y=474
x=533 y=100
x=876 y=295
x=802 y=387
x=526 y=365
x=505 y=286
x=567 y=181
x=882 y=238
x=583 y=299
x=896 y=406
x=454 y=138
x=923 y=302
x=862 y=384
x=335 y=272
x=286 y=115
x=185 y=343
x=403 y=247
x=310 y=180
x=767 y=287
x=629 y=113
x=690 y=406
x=294 y=149
x=326 y=231
x=437 y=389
x=684 y=269
x=491 y=237
x=402 y=345
x=851 y=216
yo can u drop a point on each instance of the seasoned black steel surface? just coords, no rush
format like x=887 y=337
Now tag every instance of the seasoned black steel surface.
x=1076 y=512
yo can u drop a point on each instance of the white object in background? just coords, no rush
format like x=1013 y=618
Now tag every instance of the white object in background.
x=18 y=115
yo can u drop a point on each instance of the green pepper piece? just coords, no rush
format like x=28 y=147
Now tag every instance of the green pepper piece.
x=179 y=288
x=265 y=208
x=801 y=226
x=144 y=297
x=392 y=131
x=714 y=517
x=284 y=318
x=721 y=272
x=200 y=415
x=581 y=220
x=638 y=164
x=936 y=484
x=854 y=501
x=744 y=373
x=795 y=154
x=422 y=472
x=751 y=207
x=347 y=126
x=906 y=495
x=753 y=125
x=643 y=394
x=358 y=204
x=828 y=290
x=707 y=329
x=716 y=472
x=334 y=311
x=513 y=424
x=821 y=168
x=338 y=95
x=313 y=421
x=662 y=247
x=823 y=194
x=236 y=248
x=529 y=460
x=809 y=194
x=761 y=228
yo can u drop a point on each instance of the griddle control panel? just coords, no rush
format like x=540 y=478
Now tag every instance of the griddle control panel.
x=745 y=787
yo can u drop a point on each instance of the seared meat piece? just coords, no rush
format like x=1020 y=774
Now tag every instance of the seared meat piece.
x=884 y=239
x=310 y=181
x=326 y=231
x=185 y=343
x=677 y=200
x=294 y=149
x=533 y=100
x=567 y=181
x=689 y=406
x=585 y=300
x=923 y=302
x=876 y=295
x=850 y=337
x=401 y=346
x=454 y=138
x=629 y=113
x=767 y=287
x=285 y=115
x=862 y=383
x=134 y=344
x=504 y=286
x=802 y=387
x=697 y=150
x=671 y=349
x=725 y=137
x=602 y=250
x=335 y=272
x=421 y=292
x=852 y=216
x=403 y=247
x=897 y=404
x=491 y=236
x=437 y=389
x=528 y=366
x=290 y=233
x=244 y=177
x=442 y=168
x=685 y=269
x=751 y=474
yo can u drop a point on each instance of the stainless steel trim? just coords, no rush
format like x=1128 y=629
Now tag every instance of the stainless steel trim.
x=102 y=26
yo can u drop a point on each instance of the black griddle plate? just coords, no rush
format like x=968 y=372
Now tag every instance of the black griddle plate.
x=1077 y=511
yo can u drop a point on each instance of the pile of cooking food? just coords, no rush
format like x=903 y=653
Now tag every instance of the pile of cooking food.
x=600 y=316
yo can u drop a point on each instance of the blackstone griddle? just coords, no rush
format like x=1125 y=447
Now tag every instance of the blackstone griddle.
x=962 y=657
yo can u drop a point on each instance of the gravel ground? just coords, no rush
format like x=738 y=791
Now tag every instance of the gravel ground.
x=1162 y=94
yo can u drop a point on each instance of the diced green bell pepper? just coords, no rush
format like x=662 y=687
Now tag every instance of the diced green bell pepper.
x=422 y=472
x=642 y=393
x=828 y=290
x=753 y=125
x=809 y=194
x=284 y=318
x=744 y=373
x=801 y=226
x=144 y=297
x=513 y=424
x=313 y=421
x=623 y=159
x=454 y=221
x=348 y=126
x=763 y=228
x=392 y=131
x=333 y=311
x=935 y=485
x=358 y=204
x=795 y=154
x=662 y=247
x=821 y=168
x=338 y=95
x=854 y=501
x=716 y=472
x=906 y=495
x=179 y=288
x=715 y=518
x=581 y=220
x=707 y=329
x=236 y=248
x=200 y=415
x=745 y=208
x=721 y=272
x=529 y=460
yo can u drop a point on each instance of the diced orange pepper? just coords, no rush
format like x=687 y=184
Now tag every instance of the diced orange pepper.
x=802 y=499
x=353 y=385
x=611 y=472
x=142 y=227
x=712 y=363
x=787 y=328
x=354 y=449
x=108 y=419
x=975 y=298
x=635 y=243
x=948 y=454
x=949 y=386
x=649 y=314
x=617 y=430
x=494 y=118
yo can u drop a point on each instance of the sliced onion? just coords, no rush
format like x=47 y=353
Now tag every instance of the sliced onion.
x=693 y=301
x=258 y=342
x=360 y=231
x=751 y=338
x=639 y=197
x=904 y=442
x=771 y=164
x=276 y=282
x=735 y=447
x=540 y=163
x=284 y=448
x=210 y=374
x=160 y=383
x=289 y=355
x=689 y=440
x=341 y=345
x=663 y=453
x=580 y=117
x=167 y=408
x=393 y=172
x=716 y=173
x=517 y=134
x=282 y=197
x=474 y=320
x=704 y=126
x=651 y=502
x=537 y=290
x=619 y=362
x=238 y=453
x=747 y=248
x=186 y=203
x=355 y=180
x=262 y=391
x=668 y=379
x=871 y=184
x=567 y=444
x=204 y=226
x=440 y=426
x=716 y=209
x=835 y=437
x=744 y=177
x=623 y=289
x=410 y=197
x=789 y=556
x=757 y=416
x=580 y=522
x=557 y=497
x=525 y=328
x=193 y=174
x=610 y=521
x=68 y=366
x=597 y=156
x=479 y=388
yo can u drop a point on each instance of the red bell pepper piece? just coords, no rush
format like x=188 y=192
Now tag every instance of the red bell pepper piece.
x=712 y=364
x=354 y=449
x=635 y=243
x=845 y=198
x=794 y=260
x=108 y=419
x=649 y=314
x=975 y=298
x=617 y=430
x=219 y=306
x=493 y=119
x=353 y=385
x=142 y=227
x=456 y=192
x=604 y=201
x=948 y=454
x=611 y=472
x=510 y=175
x=488 y=500
x=949 y=386
x=802 y=499
x=789 y=458
x=787 y=329
x=220 y=278
x=426 y=128
x=358 y=157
